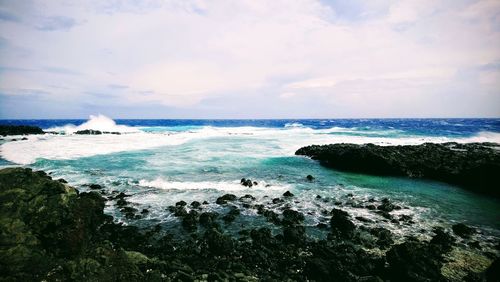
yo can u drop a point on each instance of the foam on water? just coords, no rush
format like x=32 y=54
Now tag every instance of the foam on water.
x=208 y=185
x=269 y=141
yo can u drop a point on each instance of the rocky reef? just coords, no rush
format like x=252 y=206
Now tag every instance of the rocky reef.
x=473 y=165
x=51 y=232
x=19 y=130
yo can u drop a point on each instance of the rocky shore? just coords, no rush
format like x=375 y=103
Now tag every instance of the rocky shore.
x=19 y=130
x=474 y=165
x=52 y=232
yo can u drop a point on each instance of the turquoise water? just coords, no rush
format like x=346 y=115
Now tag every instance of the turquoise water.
x=160 y=165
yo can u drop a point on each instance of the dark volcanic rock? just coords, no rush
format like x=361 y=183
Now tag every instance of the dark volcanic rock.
x=291 y=217
x=225 y=198
x=473 y=165
x=341 y=224
x=414 y=261
x=463 y=230
x=288 y=194
x=19 y=130
x=89 y=132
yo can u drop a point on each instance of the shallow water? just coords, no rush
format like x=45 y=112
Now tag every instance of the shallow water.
x=160 y=163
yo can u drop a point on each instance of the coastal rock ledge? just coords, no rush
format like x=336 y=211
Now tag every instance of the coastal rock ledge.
x=474 y=166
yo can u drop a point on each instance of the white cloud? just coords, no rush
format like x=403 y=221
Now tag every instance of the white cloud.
x=182 y=53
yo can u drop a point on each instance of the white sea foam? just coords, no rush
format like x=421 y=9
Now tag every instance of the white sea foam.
x=76 y=146
x=267 y=141
x=98 y=122
x=161 y=183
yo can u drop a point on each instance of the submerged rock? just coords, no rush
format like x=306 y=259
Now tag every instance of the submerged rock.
x=474 y=165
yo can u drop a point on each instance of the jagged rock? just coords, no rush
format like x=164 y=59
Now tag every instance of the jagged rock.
x=340 y=223
x=231 y=215
x=180 y=204
x=288 y=194
x=88 y=132
x=19 y=130
x=95 y=186
x=207 y=219
x=195 y=204
x=190 y=221
x=473 y=165
x=414 y=261
x=225 y=198
x=294 y=234
x=292 y=217
x=463 y=230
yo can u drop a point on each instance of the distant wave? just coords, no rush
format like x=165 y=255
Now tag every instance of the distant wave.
x=294 y=125
x=98 y=122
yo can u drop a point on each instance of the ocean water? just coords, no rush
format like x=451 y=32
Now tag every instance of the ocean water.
x=160 y=162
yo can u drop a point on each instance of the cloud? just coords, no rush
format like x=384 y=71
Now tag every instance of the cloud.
x=56 y=23
x=201 y=56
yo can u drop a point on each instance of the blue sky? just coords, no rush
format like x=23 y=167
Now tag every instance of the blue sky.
x=249 y=59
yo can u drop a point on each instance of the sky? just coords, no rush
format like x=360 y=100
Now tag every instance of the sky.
x=249 y=58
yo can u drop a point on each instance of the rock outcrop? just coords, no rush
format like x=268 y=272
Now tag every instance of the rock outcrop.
x=51 y=232
x=474 y=165
x=19 y=130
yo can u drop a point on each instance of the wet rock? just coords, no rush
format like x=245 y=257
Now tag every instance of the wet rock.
x=195 y=204
x=247 y=197
x=414 y=261
x=231 y=215
x=292 y=217
x=19 y=130
x=277 y=201
x=271 y=216
x=340 y=223
x=180 y=204
x=294 y=234
x=218 y=243
x=62 y=181
x=95 y=186
x=493 y=271
x=322 y=225
x=363 y=219
x=261 y=236
x=386 y=205
x=463 y=230
x=207 y=219
x=474 y=165
x=225 y=198
x=190 y=221
x=288 y=194
x=384 y=237
x=121 y=202
x=310 y=177
x=178 y=210
x=89 y=132
x=144 y=211
x=247 y=182
x=442 y=240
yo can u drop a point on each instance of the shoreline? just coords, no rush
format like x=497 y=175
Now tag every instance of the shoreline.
x=208 y=252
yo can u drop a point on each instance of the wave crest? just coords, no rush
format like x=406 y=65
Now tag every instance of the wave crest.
x=98 y=122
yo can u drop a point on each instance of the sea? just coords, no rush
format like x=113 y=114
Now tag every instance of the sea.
x=161 y=162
